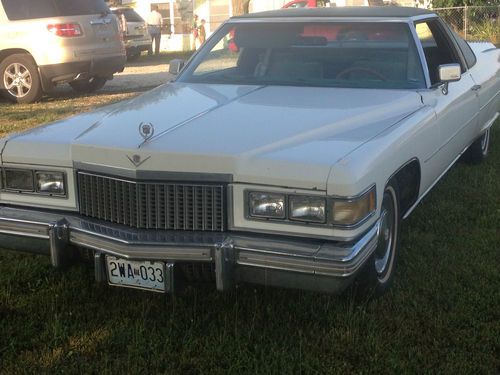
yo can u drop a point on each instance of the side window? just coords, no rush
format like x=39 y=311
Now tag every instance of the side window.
x=437 y=47
x=23 y=9
x=469 y=56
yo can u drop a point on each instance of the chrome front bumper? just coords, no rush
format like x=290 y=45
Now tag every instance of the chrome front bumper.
x=255 y=258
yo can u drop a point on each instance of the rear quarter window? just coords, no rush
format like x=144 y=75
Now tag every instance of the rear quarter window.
x=132 y=16
x=469 y=56
x=28 y=9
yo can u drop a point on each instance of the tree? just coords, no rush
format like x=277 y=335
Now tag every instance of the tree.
x=240 y=7
x=461 y=3
x=425 y=4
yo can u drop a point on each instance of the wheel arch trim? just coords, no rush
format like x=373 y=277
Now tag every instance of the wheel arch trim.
x=414 y=196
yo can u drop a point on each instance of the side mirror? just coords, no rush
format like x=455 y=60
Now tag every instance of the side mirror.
x=449 y=72
x=176 y=66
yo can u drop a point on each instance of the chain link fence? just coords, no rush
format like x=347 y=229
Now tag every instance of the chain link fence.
x=474 y=22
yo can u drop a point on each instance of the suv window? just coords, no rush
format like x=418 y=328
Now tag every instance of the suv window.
x=131 y=15
x=28 y=9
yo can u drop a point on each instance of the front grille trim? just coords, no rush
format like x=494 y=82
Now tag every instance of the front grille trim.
x=160 y=205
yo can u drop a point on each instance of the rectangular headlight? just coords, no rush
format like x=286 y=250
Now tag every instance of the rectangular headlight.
x=348 y=212
x=266 y=205
x=307 y=208
x=50 y=183
x=18 y=180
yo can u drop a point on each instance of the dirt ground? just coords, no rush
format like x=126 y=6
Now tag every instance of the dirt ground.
x=140 y=76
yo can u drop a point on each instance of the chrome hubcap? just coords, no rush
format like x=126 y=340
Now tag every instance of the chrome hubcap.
x=485 y=141
x=17 y=80
x=386 y=237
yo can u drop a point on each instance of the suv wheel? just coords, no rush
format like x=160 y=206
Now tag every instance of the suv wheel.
x=19 y=79
x=86 y=86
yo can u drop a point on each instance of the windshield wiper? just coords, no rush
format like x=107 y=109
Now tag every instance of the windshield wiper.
x=222 y=78
x=302 y=82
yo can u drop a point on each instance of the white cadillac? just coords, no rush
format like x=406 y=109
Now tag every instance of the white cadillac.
x=286 y=152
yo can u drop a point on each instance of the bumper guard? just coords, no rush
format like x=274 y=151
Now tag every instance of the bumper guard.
x=281 y=261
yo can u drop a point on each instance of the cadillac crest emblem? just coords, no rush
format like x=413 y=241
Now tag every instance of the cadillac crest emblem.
x=147 y=130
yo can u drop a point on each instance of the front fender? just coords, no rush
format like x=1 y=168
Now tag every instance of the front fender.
x=415 y=137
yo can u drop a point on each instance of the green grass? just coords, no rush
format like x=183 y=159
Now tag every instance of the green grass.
x=20 y=117
x=441 y=316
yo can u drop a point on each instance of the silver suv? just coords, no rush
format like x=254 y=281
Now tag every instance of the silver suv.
x=135 y=31
x=44 y=43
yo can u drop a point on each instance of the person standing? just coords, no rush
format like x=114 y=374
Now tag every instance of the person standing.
x=122 y=21
x=155 y=22
x=194 y=32
x=202 y=33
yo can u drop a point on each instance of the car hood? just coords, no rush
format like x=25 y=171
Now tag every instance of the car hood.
x=285 y=136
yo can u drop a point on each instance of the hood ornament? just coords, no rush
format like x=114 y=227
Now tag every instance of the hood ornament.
x=137 y=160
x=146 y=130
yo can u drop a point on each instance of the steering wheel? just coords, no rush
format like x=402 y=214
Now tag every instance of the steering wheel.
x=360 y=69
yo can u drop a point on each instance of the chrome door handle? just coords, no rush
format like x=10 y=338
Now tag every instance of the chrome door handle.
x=476 y=88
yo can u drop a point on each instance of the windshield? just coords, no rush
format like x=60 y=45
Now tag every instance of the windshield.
x=363 y=54
x=28 y=9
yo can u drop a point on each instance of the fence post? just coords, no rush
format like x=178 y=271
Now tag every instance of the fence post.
x=465 y=22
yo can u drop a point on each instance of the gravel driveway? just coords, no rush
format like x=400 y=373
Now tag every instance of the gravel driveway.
x=139 y=76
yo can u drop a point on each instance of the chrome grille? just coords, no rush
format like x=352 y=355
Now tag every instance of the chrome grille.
x=152 y=205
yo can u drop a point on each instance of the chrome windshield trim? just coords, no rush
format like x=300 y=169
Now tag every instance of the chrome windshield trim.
x=420 y=49
x=317 y=19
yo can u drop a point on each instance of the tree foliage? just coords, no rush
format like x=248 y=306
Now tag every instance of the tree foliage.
x=461 y=3
x=240 y=7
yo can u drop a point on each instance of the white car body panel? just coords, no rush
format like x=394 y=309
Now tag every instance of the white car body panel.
x=252 y=133
x=486 y=73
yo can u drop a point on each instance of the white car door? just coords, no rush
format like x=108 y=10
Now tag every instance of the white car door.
x=483 y=61
x=487 y=85
x=456 y=104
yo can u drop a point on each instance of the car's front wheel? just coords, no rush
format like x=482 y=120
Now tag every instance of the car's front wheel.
x=86 y=86
x=378 y=273
x=19 y=79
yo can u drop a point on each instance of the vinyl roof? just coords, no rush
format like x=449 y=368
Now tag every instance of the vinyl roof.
x=382 y=11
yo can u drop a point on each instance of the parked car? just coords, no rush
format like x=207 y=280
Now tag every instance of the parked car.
x=305 y=4
x=45 y=43
x=319 y=3
x=134 y=30
x=289 y=160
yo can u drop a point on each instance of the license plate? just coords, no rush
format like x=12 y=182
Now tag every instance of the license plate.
x=136 y=274
x=103 y=31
